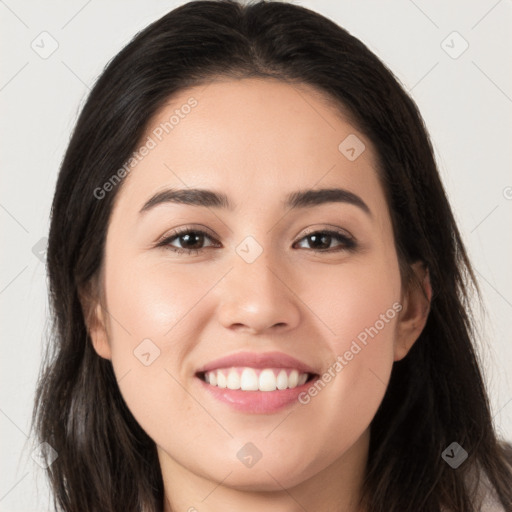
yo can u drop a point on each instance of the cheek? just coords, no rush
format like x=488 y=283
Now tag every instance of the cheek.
x=360 y=309
x=147 y=307
x=153 y=301
x=358 y=302
x=149 y=299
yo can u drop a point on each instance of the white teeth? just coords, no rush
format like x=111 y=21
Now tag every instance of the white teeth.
x=293 y=379
x=267 y=381
x=233 y=380
x=221 y=380
x=251 y=379
x=282 y=379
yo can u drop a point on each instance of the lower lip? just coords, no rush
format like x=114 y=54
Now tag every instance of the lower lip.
x=258 y=402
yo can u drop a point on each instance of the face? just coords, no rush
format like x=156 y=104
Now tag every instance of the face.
x=293 y=290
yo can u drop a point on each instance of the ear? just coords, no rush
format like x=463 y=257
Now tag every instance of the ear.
x=95 y=321
x=416 y=307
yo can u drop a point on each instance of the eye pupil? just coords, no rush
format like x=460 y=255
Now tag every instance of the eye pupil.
x=190 y=236
x=320 y=241
x=319 y=238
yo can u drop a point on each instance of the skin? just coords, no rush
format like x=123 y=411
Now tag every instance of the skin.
x=203 y=306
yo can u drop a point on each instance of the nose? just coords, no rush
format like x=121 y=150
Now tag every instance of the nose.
x=259 y=297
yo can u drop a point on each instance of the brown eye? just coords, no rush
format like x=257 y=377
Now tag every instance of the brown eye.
x=320 y=241
x=191 y=241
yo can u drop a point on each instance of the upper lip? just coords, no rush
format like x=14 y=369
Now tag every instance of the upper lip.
x=257 y=360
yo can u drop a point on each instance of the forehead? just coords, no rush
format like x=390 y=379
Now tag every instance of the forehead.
x=254 y=137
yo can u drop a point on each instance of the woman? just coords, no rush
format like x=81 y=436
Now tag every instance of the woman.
x=259 y=291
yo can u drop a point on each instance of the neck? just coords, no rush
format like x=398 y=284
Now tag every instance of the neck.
x=335 y=487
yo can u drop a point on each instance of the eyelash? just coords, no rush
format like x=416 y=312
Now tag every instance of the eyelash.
x=348 y=243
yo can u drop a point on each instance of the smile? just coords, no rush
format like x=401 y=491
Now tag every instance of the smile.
x=255 y=379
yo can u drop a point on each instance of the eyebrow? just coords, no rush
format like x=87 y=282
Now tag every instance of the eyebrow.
x=294 y=200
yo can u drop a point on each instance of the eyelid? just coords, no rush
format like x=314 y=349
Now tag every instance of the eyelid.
x=347 y=241
x=197 y=228
x=329 y=229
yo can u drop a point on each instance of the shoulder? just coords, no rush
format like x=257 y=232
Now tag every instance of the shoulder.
x=480 y=490
x=489 y=503
x=485 y=494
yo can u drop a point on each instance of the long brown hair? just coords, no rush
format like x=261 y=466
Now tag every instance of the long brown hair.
x=436 y=394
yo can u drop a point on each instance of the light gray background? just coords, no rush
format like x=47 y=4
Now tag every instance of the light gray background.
x=465 y=101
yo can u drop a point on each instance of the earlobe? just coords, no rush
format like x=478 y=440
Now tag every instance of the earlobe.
x=416 y=308
x=98 y=334
x=96 y=325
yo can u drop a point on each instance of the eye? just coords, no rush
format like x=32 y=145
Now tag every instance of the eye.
x=321 y=240
x=192 y=241
x=189 y=238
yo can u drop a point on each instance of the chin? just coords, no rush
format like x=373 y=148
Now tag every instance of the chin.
x=266 y=480
x=264 y=476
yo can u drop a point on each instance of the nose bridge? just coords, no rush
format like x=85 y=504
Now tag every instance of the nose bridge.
x=255 y=270
x=255 y=292
x=257 y=267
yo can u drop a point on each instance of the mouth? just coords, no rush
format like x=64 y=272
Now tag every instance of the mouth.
x=256 y=383
x=256 y=379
